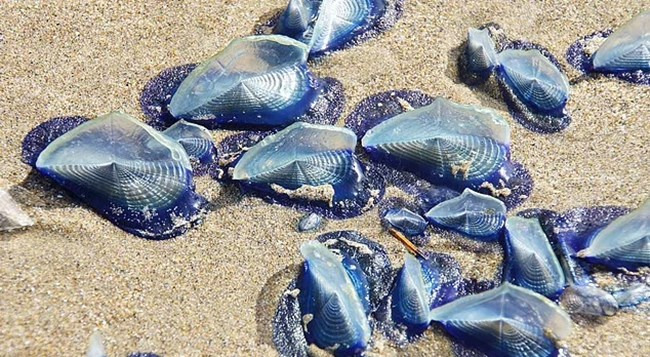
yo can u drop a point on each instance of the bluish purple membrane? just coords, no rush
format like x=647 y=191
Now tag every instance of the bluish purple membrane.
x=230 y=150
x=578 y=225
x=520 y=184
x=41 y=136
x=158 y=92
x=578 y=58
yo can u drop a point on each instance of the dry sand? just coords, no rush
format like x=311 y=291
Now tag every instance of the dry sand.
x=214 y=290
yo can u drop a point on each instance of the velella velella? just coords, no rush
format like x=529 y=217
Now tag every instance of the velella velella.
x=624 y=243
x=623 y=54
x=330 y=25
x=480 y=54
x=310 y=222
x=472 y=214
x=512 y=183
x=255 y=81
x=531 y=262
x=535 y=80
x=312 y=163
x=136 y=177
x=367 y=268
x=158 y=92
x=195 y=139
x=530 y=79
x=421 y=284
x=334 y=313
x=410 y=296
x=588 y=300
x=11 y=215
x=627 y=49
x=506 y=321
x=633 y=295
x=303 y=155
x=444 y=142
x=582 y=296
x=407 y=221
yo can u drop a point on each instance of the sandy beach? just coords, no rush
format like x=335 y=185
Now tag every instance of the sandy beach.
x=214 y=290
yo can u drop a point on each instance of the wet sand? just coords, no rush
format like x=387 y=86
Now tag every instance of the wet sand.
x=214 y=290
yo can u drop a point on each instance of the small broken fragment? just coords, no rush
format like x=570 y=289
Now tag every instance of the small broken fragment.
x=11 y=215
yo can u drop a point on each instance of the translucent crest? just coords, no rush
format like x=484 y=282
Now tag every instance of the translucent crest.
x=302 y=154
x=506 y=321
x=531 y=262
x=11 y=215
x=473 y=214
x=333 y=313
x=407 y=221
x=196 y=140
x=627 y=49
x=481 y=52
x=411 y=296
x=256 y=80
x=96 y=346
x=137 y=177
x=535 y=80
x=326 y=25
x=444 y=142
x=623 y=243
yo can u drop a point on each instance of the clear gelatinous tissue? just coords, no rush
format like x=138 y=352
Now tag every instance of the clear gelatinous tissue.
x=195 y=139
x=422 y=284
x=406 y=221
x=472 y=214
x=531 y=262
x=527 y=75
x=444 y=142
x=536 y=81
x=255 y=81
x=333 y=301
x=506 y=321
x=307 y=162
x=588 y=300
x=329 y=25
x=480 y=54
x=623 y=243
x=627 y=49
x=623 y=54
x=310 y=222
x=136 y=177
x=330 y=305
x=11 y=215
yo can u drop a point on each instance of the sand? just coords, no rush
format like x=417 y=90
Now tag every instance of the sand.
x=214 y=290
